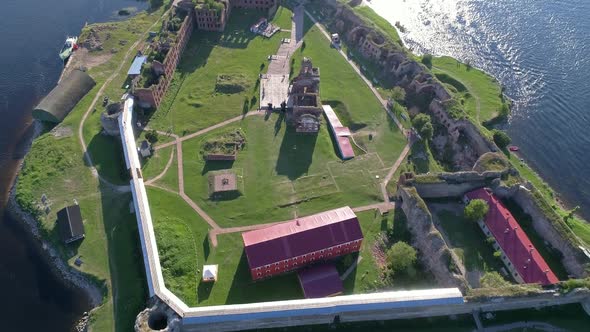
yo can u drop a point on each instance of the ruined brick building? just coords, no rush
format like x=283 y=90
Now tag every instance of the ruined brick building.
x=212 y=15
x=304 y=105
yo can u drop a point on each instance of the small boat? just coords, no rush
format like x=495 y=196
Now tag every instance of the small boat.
x=513 y=148
x=69 y=47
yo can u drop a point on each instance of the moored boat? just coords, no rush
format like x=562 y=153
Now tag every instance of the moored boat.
x=69 y=47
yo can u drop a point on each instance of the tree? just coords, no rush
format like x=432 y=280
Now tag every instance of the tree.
x=476 y=209
x=501 y=139
x=152 y=136
x=427 y=60
x=398 y=94
x=156 y=3
x=400 y=257
x=493 y=280
x=423 y=124
x=504 y=111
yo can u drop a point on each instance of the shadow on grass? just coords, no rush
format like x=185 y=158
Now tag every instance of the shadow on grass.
x=217 y=165
x=204 y=290
x=107 y=156
x=206 y=247
x=244 y=290
x=279 y=122
x=295 y=154
x=125 y=259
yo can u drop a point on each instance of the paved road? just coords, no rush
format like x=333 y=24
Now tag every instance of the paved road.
x=274 y=85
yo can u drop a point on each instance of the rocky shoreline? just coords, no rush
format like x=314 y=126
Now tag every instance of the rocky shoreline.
x=68 y=275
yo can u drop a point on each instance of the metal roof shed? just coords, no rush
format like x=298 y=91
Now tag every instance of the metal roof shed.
x=69 y=221
x=301 y=236
x=320 y=281
x=64 y=97
x=135 y=68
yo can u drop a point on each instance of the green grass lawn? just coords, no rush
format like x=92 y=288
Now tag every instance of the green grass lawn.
x=469 y=243
x=192 y=102
x=156 y=164
x=184 y=248
x=284 y=174
x=55 y=167
x=478 y=84
x=355 y=104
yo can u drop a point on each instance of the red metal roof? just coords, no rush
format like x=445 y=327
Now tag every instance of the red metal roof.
x=301 y=236
x=320 y=281
x=340 y=133
x=345 y=148
x=514 y=242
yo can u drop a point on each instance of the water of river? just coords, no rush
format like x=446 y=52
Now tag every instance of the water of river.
x=31 y=34
x=539 y=51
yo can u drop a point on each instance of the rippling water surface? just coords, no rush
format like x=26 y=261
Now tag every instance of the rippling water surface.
x=539 y=51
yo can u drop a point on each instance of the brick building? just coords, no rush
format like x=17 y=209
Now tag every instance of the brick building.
x=152 y=96
x=293 y=244
x=304 y=105
x=519 y=255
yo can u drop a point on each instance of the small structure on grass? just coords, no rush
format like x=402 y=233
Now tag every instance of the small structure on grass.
x=145 y=149
x=304 y=106
x=225 y=147
x=264 y=28
x=320 y=281
x=69 y=222
x=222 y=182
x=64 y=97
x=336 y=40
x=210 y=273
x=135 y=69
x=519 y=255
x=297 y=243
x=341 y=134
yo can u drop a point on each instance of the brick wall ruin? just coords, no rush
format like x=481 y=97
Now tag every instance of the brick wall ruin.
x=434 y=252
x=152 y=96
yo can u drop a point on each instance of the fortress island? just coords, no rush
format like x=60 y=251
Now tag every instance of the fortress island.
x=225 y=165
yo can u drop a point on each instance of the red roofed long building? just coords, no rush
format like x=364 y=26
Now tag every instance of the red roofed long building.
x=518 y=253
x=290 y=245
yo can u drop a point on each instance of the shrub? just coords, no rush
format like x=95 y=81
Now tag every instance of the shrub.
x=400 y=257
x=476 y=209
x=501 y=139
x=152 y=136
x=493 y=280
x=398 y=94
x=423 y=124
x=427 y=60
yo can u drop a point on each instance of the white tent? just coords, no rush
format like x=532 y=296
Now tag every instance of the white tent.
x=210 y=273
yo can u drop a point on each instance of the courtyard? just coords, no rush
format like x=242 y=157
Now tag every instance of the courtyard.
x=279 y=174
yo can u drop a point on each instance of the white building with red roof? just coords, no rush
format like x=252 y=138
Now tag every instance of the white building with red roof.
x=519 y=255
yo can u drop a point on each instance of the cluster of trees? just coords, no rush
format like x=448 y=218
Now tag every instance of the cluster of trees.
x=501 y=139
x=152 y=136
x=423 y=124
x=400 y=257
x=476 y=209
